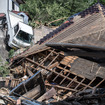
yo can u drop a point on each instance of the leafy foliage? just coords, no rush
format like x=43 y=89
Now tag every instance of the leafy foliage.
x=102 y=1
x=11 y=53
x=44 y=11
x=4 y=70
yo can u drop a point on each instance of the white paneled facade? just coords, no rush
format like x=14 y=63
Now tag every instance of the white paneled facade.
x=10 y=5
x=13 y=5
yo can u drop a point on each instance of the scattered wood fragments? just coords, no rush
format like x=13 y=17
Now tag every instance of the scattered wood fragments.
x=32 y=88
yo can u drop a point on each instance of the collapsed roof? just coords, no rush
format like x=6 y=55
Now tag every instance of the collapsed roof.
x=80 y=69
x=87 y=28
x=85 y=33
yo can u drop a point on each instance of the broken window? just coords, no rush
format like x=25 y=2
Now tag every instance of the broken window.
x=25 y=37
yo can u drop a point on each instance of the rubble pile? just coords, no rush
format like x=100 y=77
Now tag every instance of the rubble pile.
x=47 y=77
x=67 y=70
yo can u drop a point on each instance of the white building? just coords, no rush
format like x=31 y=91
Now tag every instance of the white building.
x=9 y=5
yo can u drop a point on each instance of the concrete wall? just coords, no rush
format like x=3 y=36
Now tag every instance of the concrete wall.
x=6 y=5
x=3 y=6
x=41 y=32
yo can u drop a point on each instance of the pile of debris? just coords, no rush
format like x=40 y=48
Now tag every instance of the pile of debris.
x=70 y=72
x=36 y=90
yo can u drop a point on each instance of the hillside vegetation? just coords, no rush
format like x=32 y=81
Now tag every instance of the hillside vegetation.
x=45 y=11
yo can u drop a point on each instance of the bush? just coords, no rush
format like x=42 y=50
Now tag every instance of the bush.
x=4 y=70
x=11 y=53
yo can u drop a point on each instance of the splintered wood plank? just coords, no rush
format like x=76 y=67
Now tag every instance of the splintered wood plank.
x=47 y=95
x=60 y=87
x=53 y=65
x=68 y=59
x=7 y=82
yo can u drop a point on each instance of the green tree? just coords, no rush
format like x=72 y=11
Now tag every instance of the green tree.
x=102 y=1
x=44 y=11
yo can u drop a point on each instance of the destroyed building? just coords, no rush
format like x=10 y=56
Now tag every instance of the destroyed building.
x=72 y=61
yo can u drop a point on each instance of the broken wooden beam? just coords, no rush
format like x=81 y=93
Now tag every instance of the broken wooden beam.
x=47 y=95
x=60 y=87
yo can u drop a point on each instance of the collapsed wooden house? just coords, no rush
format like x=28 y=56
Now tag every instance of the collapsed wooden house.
x=69 y=73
